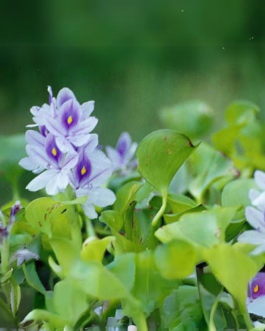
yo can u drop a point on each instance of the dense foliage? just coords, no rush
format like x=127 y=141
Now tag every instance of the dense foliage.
x=168 y=235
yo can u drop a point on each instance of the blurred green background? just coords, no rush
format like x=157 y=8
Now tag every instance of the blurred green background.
x=131 y=57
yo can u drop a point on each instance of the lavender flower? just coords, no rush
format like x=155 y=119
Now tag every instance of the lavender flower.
x=91 y=172
x=57 y=164
x=123 y=156
x=14 y=210
x=65 y=152
x=72 y=123
x=256 y=295
x=23 y=255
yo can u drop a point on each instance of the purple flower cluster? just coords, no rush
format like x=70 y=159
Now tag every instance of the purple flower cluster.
x=123 y=156
x=64 y=151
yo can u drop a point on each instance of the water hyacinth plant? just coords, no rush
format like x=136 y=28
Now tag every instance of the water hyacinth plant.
x=167 y=234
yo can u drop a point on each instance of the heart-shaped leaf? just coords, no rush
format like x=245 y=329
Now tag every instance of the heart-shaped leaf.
x=160 y=155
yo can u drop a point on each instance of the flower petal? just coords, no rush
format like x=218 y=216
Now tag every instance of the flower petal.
x=49 y=89
x=64 y=95
x=252 y=237
x=259 y=201
x=253 y=194
x=257 y=306
x=87 y=109
x=101 y=168
x=28 y=164
x=34 y=138
x=131 y=153
x=55 y=127
x=104 y=196
x=258 y=250
x=255 y=218
x=86 y=126
x=79 y=140
x=90 y=211
x=69 y=161
x=123 y=143
x=92 y=144
x=63 y=144
x=259 y=177
x=41 y=181
x=114 y=157
x=38 y=155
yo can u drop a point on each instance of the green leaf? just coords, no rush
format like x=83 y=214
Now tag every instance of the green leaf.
x=12 y=150
x=182 y=310
x=66 y=253
x=241 y=112
x=15 y=296
x=225 y=139
x=180 y=203
x=97 y=281
x=80 y=201
x=176 y=260
x=171 y=218
x=94 y=250
x=206 y=228
x=160 y=155
x=236 y=194
x=43 y=316
x=53 y=218
x=208 y=166
x=149 y=287
x=123 y=267
x=69 y=301
x=32 y=277
x=233 y=268
x=125 y=195
x=113 y=219
x=193 y=118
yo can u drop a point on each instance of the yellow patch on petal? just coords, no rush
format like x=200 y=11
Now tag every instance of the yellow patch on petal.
x=256 y=288
x=83 y=170
x=69 y=120
x=54 y=151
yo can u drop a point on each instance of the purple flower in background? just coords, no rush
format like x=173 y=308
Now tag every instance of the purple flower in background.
x=14 y=210
x=123 y=156
x=256 y=295
x=92 y=171
x=23 y=255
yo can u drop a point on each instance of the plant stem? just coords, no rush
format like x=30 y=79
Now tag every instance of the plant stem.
x=140 y=321
x=214 y=307
x=5 y=256
x=68 y=328
x=246 y=316
x=4 y=248
x=161 y=210
x=89 y=228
